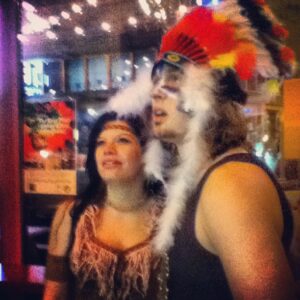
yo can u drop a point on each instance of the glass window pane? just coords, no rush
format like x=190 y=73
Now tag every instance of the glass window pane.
x=33 y=77
x=97 y=73
x=76 y=75
x=121 y=70
x=144 y=59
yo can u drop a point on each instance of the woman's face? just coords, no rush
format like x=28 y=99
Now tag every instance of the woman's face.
x=118 y=153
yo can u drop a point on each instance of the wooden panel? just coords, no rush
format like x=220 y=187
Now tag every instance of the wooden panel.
x=291 y=119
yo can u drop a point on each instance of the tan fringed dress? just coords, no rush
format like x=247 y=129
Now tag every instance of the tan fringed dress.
x=102 y=272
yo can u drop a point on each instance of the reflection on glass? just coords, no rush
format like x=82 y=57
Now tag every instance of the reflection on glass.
x=33 y=77
x=144 y=59
x=97 y=73
x=76 y=75
x=121 y=70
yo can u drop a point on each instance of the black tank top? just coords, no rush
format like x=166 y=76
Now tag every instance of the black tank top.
x=196 y=273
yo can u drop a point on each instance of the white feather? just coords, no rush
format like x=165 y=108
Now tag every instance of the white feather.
x=153 y=160
x=194 y=158
x=134 y=98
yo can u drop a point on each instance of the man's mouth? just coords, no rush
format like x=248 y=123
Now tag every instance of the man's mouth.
x=158 y=115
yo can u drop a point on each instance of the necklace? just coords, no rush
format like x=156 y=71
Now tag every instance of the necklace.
x=130 y=207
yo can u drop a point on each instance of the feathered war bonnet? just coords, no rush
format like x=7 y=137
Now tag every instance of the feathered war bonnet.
x=237 y=40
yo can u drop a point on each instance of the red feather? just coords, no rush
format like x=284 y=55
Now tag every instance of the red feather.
x=279 y=31
x=246 y=62
x=197 y=34
x=287 y=54
x=260 y=2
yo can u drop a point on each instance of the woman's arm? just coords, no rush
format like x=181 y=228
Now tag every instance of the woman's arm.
x=56 y=284
x=55 y=290
x=242 y=219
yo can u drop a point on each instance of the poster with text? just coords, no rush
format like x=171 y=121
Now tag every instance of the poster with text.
x=49 y=147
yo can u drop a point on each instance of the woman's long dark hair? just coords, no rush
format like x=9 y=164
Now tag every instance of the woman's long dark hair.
x=95 y=191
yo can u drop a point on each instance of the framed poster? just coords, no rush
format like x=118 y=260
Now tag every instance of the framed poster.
x=49 y=147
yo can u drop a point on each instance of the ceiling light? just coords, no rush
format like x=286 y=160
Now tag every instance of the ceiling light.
x=148 y=65
x=145 y=7
x=182 y=9
x=51 y=35
x=22 y=38
x=265 y=138
x=145 y=58
x=132 y=21
x=92 y=112
x=36 y=23
x=79 y=30
x=77 y=8
x=127 y=62
x=105 y=26
x=163 y=14
x=27 y=29
x=53 y=20
x=92 y=2
x=157 y=15
x=65 y=15
x=127 y=73
x=28 y=7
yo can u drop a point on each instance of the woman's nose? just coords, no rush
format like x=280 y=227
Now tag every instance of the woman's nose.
x=110 y=148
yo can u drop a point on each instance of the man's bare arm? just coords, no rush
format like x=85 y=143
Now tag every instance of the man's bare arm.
x=242 y=219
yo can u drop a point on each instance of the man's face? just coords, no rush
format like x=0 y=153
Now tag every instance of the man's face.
x=168 y=122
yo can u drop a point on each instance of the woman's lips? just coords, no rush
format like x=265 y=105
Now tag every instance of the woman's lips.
x=111 y=163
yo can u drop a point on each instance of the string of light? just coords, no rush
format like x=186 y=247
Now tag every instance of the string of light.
x=36 y=24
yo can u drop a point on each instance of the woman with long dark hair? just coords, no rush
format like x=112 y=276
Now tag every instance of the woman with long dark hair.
x=99 y=246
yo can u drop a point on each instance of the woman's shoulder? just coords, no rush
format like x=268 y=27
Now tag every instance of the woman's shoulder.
x=61 y=229
x=63 y=212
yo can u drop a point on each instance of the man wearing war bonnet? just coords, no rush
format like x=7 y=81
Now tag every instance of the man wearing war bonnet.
x=226 y=227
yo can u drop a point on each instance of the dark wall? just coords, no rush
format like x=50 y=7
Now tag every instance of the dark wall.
x=10 y=204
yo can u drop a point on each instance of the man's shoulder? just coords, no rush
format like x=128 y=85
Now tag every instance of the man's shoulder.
x=236 y=172
x=238 y=184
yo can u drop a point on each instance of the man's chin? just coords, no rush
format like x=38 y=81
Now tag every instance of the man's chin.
x=164 y=134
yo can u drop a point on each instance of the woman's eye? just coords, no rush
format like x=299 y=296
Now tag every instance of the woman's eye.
x=124 y=140
x=99 y=143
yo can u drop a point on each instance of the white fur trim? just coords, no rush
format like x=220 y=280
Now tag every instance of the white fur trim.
x=134 y=98
x=153 y=159
x=197 y=97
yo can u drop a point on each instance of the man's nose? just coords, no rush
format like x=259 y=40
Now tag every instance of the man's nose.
x=158 y=94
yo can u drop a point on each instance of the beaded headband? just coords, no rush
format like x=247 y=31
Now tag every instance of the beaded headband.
x=118 y=126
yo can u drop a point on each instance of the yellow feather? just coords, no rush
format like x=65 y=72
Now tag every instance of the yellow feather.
x=223 y=61
x=218 y=17
x=273 y=87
